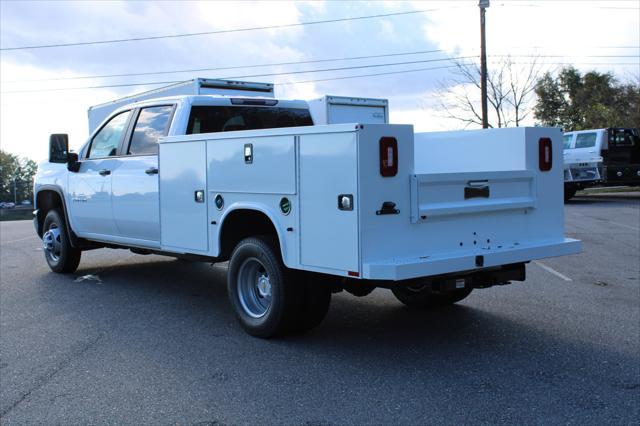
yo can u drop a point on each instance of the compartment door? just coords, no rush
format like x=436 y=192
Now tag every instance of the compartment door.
x=328 y=168
x=183 y=218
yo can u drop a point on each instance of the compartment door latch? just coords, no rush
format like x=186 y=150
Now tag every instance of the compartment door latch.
x=388 y=207
x=477 y=189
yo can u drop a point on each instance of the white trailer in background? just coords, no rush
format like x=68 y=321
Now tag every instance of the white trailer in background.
x=345 y=109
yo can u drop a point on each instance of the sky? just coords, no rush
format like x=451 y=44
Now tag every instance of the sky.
x=48 y=90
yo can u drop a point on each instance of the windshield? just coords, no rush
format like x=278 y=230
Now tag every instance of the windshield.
x=623 y=137
x=586 y=140
x=566 y=141
x=210 y=119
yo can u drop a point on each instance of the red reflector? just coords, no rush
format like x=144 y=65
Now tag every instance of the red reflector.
x=353 y=274
x=388 y=156
x=545 y=153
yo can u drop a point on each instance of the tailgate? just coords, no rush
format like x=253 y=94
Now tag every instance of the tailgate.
x=446 y=194
x=462 y=200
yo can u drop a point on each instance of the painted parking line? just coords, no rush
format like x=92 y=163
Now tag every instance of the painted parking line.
x=18 y=240
x=625 y=226
x=552 y=271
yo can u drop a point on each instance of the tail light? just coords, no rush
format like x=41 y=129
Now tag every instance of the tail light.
x=388 y=157
x=545 y=153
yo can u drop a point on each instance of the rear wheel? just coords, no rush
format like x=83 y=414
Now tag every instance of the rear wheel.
x=569 y=192
x=420 y=295
x=58 y=252
x=263 y=297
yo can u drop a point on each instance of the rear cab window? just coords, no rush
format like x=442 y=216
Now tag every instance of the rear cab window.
x=211 y=119
x=152 y=124
x=566 y=141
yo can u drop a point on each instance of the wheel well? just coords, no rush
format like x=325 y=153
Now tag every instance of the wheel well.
x=240 y=224
x=47 y=200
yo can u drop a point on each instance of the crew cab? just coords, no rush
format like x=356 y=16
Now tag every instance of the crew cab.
x=301 y=210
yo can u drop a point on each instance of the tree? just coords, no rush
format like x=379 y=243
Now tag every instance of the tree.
x=22 y=170
x=594 y=100
x=510 y=87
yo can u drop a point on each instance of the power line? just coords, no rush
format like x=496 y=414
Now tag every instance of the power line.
x=251 y=76
x=364 y=75
x=565 y=56
x=322 y=70
x=226 y=68
x=295 y=63
x=236 y=30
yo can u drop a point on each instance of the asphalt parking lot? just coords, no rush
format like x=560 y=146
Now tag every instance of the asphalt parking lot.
x=154 y=342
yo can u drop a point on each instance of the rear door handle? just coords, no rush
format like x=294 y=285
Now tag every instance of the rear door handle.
x=104 y=172
x=476 y=192
x=151 y=171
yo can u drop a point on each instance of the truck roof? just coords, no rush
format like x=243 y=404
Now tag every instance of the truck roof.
x=217 y=100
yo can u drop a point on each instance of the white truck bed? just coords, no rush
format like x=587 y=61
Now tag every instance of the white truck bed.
x=513 y=211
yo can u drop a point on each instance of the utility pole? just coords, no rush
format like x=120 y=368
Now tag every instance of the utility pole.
x=15 y=189
x=483 y=64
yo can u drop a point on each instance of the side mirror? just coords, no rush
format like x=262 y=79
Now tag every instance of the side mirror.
x=58 y=148
x=73 y=165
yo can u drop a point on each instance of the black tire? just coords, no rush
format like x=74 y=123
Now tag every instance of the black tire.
x=569 y=192
x=421 y=296
x=264 y=297
x=315 y=301
x=58 y=252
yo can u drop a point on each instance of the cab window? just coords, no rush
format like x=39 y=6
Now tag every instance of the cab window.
x=566 y=141
x=105 y=142
x=152 y=123
x=209 y=119
x=586 y=140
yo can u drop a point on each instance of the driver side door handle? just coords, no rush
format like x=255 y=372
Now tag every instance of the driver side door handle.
x=151 y=171
x=104 y=172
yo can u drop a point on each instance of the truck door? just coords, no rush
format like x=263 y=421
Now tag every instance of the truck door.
x=136 y=204
x=90 y=187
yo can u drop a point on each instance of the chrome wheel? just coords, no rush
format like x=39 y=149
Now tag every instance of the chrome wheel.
x=254 y=288
x=52 y=243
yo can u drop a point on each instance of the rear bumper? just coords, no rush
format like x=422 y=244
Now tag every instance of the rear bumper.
x=402 y=269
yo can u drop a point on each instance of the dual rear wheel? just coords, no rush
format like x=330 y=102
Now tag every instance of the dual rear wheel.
x=269 y=299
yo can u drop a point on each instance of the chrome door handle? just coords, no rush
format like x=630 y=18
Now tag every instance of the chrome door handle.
x=151 y=171
x=104 y=172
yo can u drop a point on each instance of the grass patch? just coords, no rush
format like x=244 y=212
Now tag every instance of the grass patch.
x=16 y=214
x=609 y=190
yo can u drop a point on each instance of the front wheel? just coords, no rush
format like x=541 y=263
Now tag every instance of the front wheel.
x=420 y=295
x=58 y=252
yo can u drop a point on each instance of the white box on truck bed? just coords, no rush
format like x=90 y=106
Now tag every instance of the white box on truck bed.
x=438 y=219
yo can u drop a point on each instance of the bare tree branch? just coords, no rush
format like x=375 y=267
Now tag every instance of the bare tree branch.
x=509 y=92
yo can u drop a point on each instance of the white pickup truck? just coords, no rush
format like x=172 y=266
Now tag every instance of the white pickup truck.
x=302 y=210
x=600 y=157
